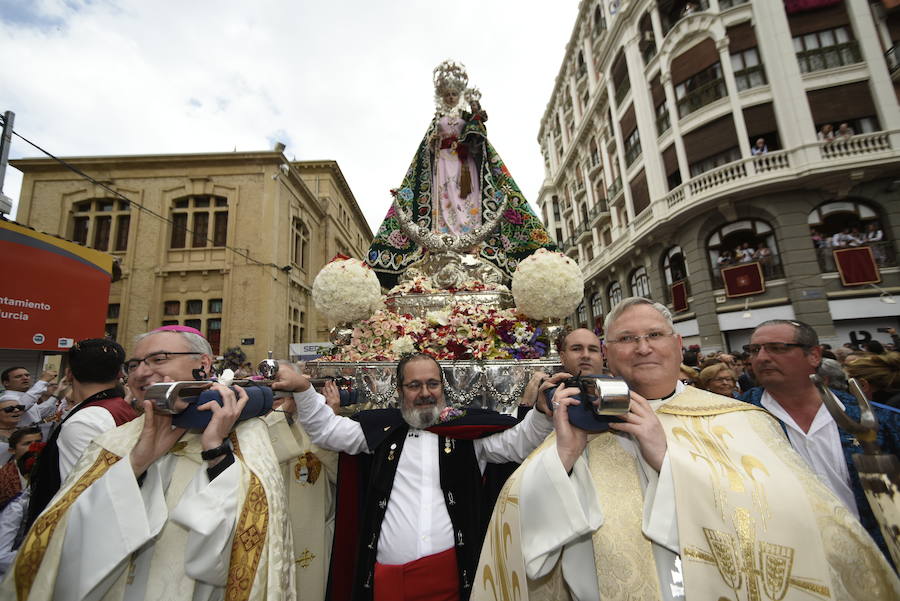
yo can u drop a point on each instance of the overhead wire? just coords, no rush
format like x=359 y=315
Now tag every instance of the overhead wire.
x=238 y=251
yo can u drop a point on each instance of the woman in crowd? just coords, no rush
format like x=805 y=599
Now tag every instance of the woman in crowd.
x=878 y=376
x=718 y=378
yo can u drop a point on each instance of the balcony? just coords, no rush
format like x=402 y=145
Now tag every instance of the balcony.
x=632 y=153
x=884 y=253
x=771 y=267
x=700 y=97
x=829 y=57
x=582 y=231
x=614 y=189
x=598 y=210
x=794 y=167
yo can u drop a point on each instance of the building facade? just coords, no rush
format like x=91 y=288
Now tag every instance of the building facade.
x=713 y=155
x=228 y=243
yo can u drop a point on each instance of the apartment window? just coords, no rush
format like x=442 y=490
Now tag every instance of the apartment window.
x=215 y=305
x=640 y=283
x=301 y=244
x=614 y=294
x=632 y=147
x=699 y=90
x=205 y=217
x=193 y=307
x=748 y=72
x=172 y=307
x=102 y=224
x=298 y=324
x=826 y=49
x=716 y=160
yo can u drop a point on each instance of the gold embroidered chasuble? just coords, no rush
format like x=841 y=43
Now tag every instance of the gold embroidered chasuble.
x=259 y=566
x=309 y=474
x=754 y=523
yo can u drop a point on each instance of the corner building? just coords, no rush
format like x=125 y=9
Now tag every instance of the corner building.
x=231 y=247
x=652 y=184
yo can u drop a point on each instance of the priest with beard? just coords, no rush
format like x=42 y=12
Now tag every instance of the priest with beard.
x=412 y=506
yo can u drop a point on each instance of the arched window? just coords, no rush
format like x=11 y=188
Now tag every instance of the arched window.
x=673 y=266
x=599 y=20
x=674 y=269
x=846 y=224
x=744 y=241
x=596 y=305
x=615 y=295
x=640 y=283
x=581 y=314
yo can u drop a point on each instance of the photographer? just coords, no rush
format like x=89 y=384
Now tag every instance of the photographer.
x=113 y=513
x=632 y=512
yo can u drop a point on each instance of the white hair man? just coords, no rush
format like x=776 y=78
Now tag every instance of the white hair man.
x=684 y=498
x=155 y=511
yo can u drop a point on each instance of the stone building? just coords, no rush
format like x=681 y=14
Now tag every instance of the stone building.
x=228 y=243
x=684 y=139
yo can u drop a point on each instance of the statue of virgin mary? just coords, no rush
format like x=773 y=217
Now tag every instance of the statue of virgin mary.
x=457 y=194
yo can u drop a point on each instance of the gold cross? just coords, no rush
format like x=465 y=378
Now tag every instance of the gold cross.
x=305 y=559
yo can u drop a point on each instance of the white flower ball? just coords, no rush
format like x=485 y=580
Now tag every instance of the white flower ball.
x=547 y=285
x=346 y=290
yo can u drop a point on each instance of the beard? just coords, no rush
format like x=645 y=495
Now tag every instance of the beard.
x=421 y=417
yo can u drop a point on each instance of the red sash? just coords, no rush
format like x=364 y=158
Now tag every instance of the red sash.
x=431 y=578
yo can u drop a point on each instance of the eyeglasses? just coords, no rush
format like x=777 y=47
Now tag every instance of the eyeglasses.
x=13 y=408
x=154 y=360
x=651 y=338
x=432 y=385
x=773 y=348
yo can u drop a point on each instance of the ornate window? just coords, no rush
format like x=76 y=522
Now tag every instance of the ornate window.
x=640 y=283
x=581 y=313
x=596 y=306
x=744 y=241
x=204 y=217
x=845 y=224
x=615 y=295
x=102 y=223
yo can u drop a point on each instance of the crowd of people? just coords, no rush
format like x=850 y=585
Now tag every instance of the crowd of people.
x=109 y=496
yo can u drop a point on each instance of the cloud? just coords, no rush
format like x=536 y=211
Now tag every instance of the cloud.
x=346 y=80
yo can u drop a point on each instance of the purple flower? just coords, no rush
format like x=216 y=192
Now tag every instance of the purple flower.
x=513 y=216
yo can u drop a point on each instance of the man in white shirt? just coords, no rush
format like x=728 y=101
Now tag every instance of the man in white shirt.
x=784 y=353
x=423 y=510
x=94 y=369
x=154 y=511
x=683 y=498
x=38 y=398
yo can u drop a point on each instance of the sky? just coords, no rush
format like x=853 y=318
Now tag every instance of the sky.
x=346 y=80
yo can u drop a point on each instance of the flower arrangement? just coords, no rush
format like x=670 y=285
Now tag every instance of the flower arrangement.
x=464 y=331
x=346 y=290
x=425 y=285
x=547 y=285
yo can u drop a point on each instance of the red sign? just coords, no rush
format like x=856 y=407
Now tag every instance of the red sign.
x=679 y=297
x=53 y=292
x=856 y=266
x=743 y=280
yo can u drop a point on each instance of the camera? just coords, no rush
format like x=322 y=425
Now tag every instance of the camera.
x=181 y=400
x=603 y=399
x=349 y=396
